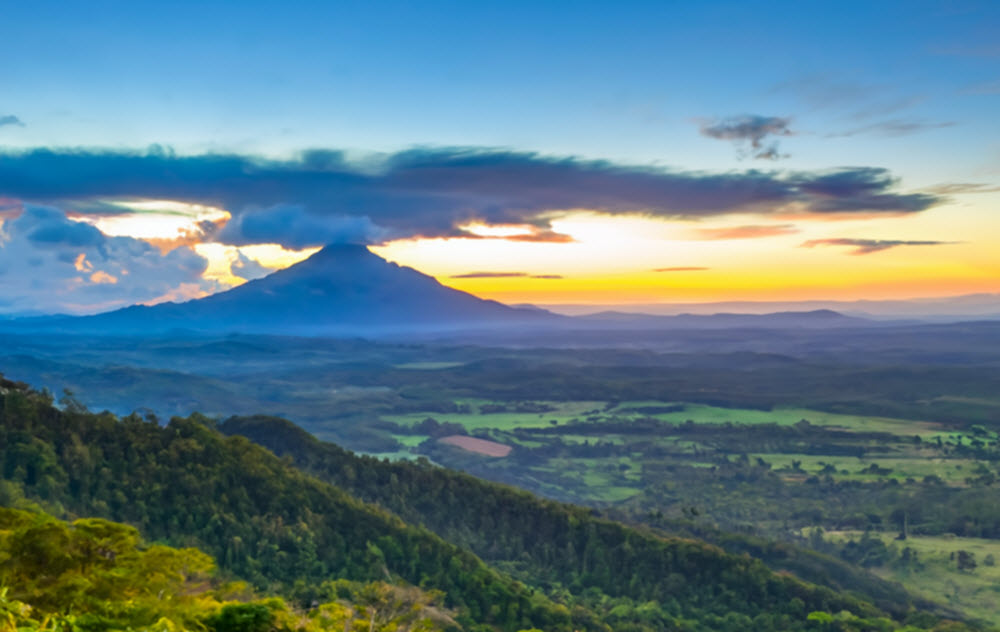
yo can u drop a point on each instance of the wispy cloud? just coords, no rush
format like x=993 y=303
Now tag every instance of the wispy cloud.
x=968 y=50
x=10 y=119
x=986 y=87
x=823 y=90
x=745 y=232
x=488 y=275
x=321 y=197
x=750 y=133
x=958 y=188
x=869 y=246
x=504 y=275
x=681 y=269
x=894 y=127
x=868 y=107
x=548 y=236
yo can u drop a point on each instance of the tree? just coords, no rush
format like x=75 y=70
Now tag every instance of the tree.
x=966 y=561
x=70 y=403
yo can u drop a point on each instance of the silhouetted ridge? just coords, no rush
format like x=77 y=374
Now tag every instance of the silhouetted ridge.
x=814 y=318
x=342 y=289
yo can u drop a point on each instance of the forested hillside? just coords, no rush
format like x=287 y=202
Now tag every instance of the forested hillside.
x=262 y=519
x=288 y=532
x=502 y=524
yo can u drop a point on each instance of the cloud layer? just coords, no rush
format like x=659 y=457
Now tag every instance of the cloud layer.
x=322 y=197
x=49 y=263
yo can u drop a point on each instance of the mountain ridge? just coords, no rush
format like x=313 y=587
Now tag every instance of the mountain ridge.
x=341 y=289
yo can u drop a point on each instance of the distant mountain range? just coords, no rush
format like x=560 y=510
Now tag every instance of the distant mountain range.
x=940 y=309
x=821 y=318
x=345 y=290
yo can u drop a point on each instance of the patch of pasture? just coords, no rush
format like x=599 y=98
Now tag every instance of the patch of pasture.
x=562 y=413
x=478 y=446
x=410 y=441
x=935 y=575
x=705 y=414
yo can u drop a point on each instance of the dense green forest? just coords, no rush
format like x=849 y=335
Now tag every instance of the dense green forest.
x=93 y=574
x=262 y=519
x=287 y=532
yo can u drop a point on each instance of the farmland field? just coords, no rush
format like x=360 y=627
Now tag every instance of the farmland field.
x=478 y=446
x=579 y=411
x=509 y=419
x=772 y=472
x=931 y=569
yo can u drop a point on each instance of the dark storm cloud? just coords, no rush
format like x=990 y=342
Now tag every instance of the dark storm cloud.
x=321 y=197
x=750 y=133
x=869 y=246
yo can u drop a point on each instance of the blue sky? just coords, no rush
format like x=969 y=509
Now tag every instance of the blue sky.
x=784 y=88
x=623 y=82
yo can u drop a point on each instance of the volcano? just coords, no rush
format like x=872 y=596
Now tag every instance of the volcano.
x=340 y=290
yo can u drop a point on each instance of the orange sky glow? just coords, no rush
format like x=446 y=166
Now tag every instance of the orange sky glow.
x=634 y=259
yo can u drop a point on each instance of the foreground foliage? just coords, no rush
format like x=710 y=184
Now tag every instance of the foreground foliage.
x=93 y=574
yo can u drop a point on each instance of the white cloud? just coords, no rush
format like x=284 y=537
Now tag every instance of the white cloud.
x=52 y=264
